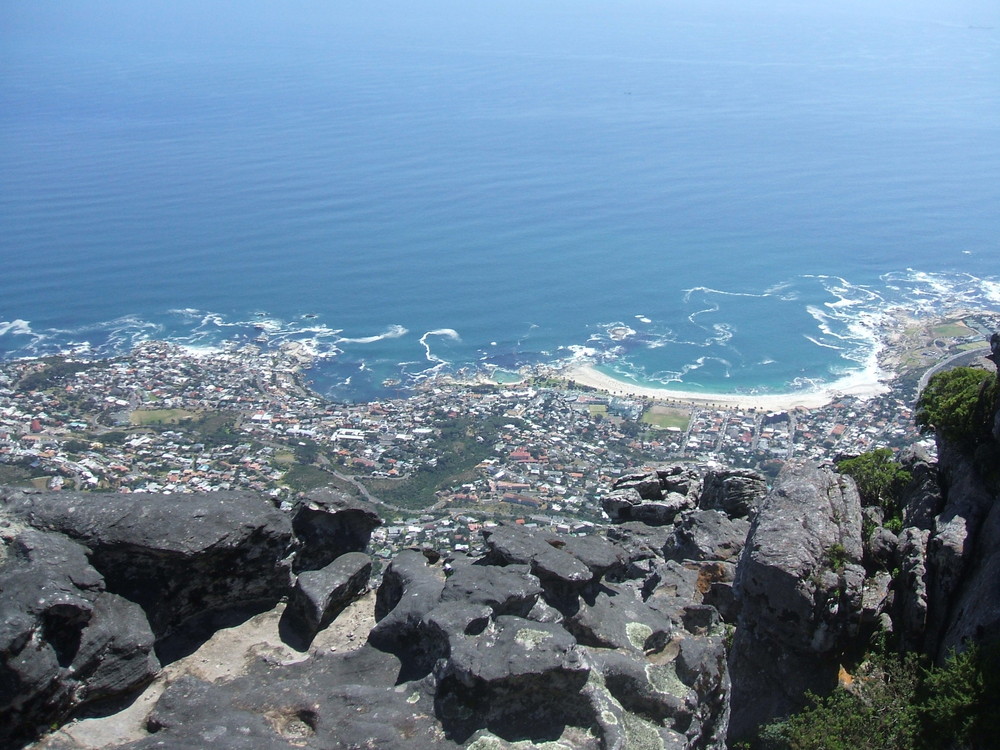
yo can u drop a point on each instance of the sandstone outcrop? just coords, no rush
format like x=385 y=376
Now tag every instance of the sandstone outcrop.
x=909 y=611
x=328 y=523
x=65 y=641
x=320 y=595
x=735 y=492
x=93 y=582
x=949 y=592
x=957 y=549
x=654 y=499
x=923 y=497
x=177 y=556
x=707 y=535
x=799 y=584
x=543 y=639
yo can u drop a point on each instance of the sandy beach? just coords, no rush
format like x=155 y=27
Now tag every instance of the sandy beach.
x=863 y=385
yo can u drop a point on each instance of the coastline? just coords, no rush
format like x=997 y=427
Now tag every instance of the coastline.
x=861 y=385
x=903 y=340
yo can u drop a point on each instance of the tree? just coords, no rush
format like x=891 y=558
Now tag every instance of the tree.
x=306 y=452
x=76 y=446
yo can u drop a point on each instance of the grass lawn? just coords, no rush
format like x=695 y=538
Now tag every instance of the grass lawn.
x=667 y=416
x=596 y=409
x=161 y=416
x=947 y=330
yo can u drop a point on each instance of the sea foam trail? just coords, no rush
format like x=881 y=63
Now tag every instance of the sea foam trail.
x=823 y=344
x=394 y=331
x=449 y=333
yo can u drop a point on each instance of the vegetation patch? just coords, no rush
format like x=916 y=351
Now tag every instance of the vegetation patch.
x=880 y=480
x=20 y=476
x=55 y=371
x=666 y=417
x=142 y=417
x=215 y=428
x=111 y=437
x=899 y=703
x=836 y=557
x=547 y=382
x=302 y=478
x=958 y=404
x=461 y=445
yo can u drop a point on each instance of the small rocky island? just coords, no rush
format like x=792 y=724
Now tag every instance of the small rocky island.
x=707 y=607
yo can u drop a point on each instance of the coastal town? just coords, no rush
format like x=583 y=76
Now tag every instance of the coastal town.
x=442 y=463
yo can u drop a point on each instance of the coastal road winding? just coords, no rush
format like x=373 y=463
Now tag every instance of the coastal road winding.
x=948 y=362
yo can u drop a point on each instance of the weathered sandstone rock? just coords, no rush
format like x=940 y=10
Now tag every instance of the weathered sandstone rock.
x=329 y=523
x=654 y=498
x=923 y=499
x=735 y=492
x=707 y=535
x=320 y=595
x=799 y=584
x=64 y=640
x=177 y=556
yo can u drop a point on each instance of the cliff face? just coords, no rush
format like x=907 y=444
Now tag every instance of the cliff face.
x=799 y=583
x=962 y=557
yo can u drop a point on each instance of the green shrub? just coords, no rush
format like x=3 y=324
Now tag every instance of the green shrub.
x=894 y=703
x=958 y=404
x=958 y=702
x=836 y=557
x=879 y=477
x=877 y=713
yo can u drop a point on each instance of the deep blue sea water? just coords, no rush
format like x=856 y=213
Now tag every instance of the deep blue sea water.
x=714 y=195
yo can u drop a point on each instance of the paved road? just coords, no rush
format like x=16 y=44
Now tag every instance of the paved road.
x=943 y=364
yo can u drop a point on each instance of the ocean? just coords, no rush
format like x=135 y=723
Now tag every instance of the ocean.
x=713 y=196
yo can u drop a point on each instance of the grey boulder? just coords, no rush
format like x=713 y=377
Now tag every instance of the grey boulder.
x=64 y=640
x=177 y=556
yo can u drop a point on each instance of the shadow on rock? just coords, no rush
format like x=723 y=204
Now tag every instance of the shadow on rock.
x=198 y=630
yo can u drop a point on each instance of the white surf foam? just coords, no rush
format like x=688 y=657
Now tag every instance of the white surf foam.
x=16 y=327
x=448 y=333
x=392 y=332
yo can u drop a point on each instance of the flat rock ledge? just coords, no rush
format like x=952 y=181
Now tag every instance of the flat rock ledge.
x=543 y=640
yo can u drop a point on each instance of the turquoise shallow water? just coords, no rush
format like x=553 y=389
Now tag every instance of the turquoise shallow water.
x=713 y=197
